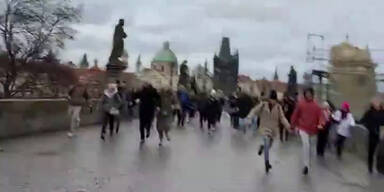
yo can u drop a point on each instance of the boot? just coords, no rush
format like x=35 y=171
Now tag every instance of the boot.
x=305 y=170
x=267 y=166
x=261 y=150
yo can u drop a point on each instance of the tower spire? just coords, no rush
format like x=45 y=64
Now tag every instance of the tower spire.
x=138 y=64
x=225 y=50
x=276 y=76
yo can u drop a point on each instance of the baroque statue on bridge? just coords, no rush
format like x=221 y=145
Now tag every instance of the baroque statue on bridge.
x=292 y=83
x=118 y=43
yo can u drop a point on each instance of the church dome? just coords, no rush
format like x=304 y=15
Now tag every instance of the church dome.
x=165 y=55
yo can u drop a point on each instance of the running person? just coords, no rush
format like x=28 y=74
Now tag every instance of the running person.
x=271 y=115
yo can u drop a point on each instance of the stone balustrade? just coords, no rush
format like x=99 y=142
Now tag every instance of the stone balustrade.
x=20 y=117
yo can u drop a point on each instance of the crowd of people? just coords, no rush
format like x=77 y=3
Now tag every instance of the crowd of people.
x=267 y=115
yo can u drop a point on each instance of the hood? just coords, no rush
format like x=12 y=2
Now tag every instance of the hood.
x=110 y=94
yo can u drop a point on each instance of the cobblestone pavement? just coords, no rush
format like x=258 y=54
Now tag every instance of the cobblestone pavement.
x=192 y=162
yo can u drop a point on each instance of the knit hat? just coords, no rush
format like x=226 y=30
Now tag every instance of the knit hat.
x=345 y=106
x=273 y=95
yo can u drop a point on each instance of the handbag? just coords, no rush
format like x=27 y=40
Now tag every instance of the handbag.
x=114 y=111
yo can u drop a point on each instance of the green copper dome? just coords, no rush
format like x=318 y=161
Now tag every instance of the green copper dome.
x=165 y=55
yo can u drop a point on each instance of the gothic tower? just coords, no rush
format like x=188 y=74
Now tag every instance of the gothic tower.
x=226 y=68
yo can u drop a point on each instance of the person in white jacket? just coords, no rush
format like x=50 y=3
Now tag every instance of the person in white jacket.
x=345 y=121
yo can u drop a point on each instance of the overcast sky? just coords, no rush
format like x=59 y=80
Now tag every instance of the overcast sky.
x=267 y=33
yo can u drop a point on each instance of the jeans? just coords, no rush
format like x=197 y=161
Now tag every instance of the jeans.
x=181 y=115
x=340 y=144
x=145 y=126
x=322 y=140
x=306 y=142
x=372 y=145
x=108 y=119
x=267 y=145
x=74 y=113
x=236 y=122
x=202 y=118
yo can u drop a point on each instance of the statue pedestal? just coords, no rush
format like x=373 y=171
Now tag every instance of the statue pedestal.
x=114 y=71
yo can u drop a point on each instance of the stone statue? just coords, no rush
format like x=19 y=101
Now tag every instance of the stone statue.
x=184 y=75
x=292 y=76
x=118 y=42
x=292 y=83
x=184 y=68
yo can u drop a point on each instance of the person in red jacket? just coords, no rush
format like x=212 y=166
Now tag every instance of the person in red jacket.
x=308 y=119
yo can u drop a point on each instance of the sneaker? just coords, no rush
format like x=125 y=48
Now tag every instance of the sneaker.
x=261 y=150
x=102 y=137
x=142 y=141
x=148 y=134
x=160 y=144
x=70 y=134
x=305 y=170
x=267 y=167
x=168 y=138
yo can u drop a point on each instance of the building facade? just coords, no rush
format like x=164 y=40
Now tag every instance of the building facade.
x=226 y=68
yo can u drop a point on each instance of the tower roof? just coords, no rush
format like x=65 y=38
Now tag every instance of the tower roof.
x=165 y=55
x=225 y=49
x=138 y=59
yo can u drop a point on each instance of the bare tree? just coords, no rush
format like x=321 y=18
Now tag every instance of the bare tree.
x=29 y=29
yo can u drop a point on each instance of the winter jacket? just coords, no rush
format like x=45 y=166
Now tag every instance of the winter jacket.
x=149 y=100
x=307 y=116
x=166 y=103
x=288 y=107
x=270 y=119
x=244 y=104
x=184 y=100
x=111 y=100
x=372 y=120
x=212 y=109
x=78 y=96
x=344 y=125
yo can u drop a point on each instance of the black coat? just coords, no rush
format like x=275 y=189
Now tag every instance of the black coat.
x=212 y=109
x=244 y=104
x=149 y=100
x=372 y=120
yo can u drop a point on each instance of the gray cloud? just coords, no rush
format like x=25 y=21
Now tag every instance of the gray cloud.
x=268 y=34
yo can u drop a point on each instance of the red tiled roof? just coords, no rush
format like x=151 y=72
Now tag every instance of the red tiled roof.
x=276 y=85
x=243 y=78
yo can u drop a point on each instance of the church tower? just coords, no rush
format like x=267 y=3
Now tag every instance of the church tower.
x=226 y=68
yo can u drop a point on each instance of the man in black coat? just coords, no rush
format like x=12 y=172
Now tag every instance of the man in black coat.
x=202 y=103
x=212 y=110
x=149 y=101
x=244 y=104
x=372 y=120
